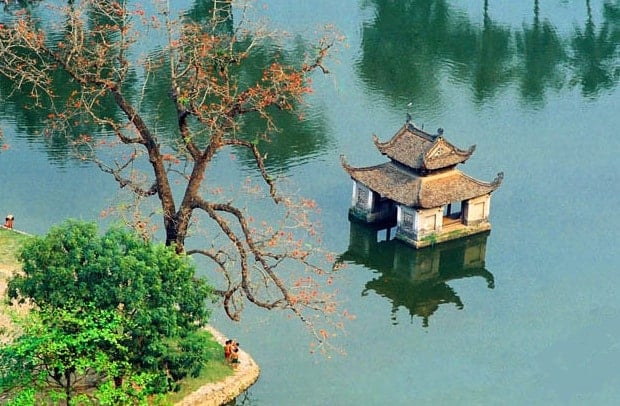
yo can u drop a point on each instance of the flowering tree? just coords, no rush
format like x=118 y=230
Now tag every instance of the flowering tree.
x=84 y=62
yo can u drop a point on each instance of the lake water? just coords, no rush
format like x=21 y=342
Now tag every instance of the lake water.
x=535 y=319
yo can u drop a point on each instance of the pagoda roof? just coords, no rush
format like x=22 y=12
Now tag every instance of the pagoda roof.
x=420 y=150
x=395 y=182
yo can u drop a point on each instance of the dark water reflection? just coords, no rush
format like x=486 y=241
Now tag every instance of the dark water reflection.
x=301 y=136
x=407 y=51
x=416 y=280
x=595 y=51
x=410 y=45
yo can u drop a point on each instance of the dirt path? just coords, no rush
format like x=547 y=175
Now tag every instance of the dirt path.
x=6 y=326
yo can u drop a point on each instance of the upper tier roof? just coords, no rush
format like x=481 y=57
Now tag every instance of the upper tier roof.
x=422 y=151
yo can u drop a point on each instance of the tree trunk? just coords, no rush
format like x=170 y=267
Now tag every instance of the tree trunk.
x=68 y=385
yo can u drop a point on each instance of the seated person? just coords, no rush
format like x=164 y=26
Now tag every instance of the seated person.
x=8 y=221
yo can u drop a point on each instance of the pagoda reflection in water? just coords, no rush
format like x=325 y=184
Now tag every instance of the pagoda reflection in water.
x=416 y=279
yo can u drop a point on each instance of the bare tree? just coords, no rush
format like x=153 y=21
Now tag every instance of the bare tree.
x=95 y=46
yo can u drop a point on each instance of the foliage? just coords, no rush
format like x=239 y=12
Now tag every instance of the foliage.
x=79 y=62
x=152 y=289
x=215 y=370
x=62 y=349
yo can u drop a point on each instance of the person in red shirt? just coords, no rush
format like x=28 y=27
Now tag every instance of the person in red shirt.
x=227 y=350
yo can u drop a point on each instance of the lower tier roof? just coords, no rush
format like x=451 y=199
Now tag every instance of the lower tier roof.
x=411 y=189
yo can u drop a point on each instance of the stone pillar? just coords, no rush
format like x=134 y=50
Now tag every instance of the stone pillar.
x=418 y=223
x=428 y=221
x=476 y=210
x=362 y=197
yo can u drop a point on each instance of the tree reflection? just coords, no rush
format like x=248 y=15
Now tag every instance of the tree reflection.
x=404 y=50
x=595 y=60
x=31 y=114
x=408 y=50
x=203 y=11
x=299 y=138
x=416 y=280
x=490 y=58
x=412 y=46
x=541 y=55
x=20 y=107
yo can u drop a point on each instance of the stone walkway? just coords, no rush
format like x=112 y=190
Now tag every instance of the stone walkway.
x=220 y=393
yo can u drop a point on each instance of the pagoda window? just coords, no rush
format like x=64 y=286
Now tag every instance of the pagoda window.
x=408 y=220
x=453 y=209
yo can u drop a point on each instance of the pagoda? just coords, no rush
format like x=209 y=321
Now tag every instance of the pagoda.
x=420 y=190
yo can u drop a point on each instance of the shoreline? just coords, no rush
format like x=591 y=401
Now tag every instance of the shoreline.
x=220 y=393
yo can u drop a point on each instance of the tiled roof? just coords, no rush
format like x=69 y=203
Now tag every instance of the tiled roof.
x=408 y=188
x=420 y=150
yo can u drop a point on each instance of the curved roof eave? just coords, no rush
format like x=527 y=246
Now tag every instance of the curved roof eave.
x=412 y=190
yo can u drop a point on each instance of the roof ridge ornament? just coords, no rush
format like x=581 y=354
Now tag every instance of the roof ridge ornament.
x=409 y=119
x=408 y=116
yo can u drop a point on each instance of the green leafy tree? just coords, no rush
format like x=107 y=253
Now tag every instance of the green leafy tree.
x=62 y=349
x=154 y=290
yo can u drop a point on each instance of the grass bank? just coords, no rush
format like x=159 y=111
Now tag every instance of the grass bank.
x=10 y=242
x=215 y=370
